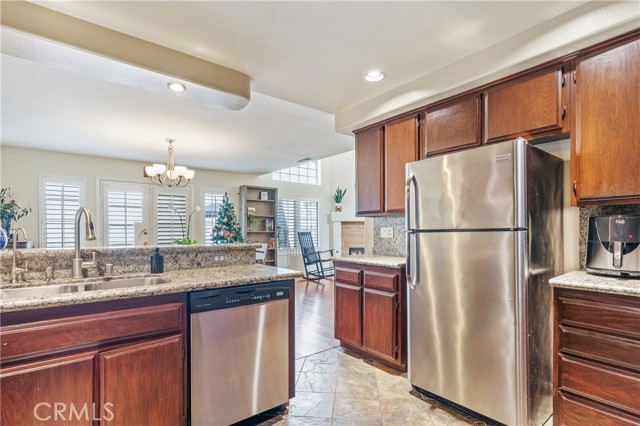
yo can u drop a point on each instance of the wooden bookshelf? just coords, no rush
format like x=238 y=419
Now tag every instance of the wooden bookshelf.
x=263 y=202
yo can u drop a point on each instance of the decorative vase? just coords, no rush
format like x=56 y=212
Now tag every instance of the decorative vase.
x=7 y=223
x=338 y=207
x=4 y=239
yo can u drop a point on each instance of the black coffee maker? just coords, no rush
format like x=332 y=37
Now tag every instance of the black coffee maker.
x=613 y=246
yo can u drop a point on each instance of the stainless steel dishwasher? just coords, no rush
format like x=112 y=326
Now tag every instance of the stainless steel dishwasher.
x=239 y=359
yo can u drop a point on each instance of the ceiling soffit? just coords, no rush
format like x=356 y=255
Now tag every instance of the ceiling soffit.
x=207 y=83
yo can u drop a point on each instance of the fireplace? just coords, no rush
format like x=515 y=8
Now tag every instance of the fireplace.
x=347 y=233
x=356 y=250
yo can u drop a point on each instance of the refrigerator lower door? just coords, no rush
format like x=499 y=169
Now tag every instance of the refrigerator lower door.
x=463 y=316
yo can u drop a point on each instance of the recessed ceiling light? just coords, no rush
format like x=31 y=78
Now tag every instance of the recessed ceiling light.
x=373 y=76
x=176 y=87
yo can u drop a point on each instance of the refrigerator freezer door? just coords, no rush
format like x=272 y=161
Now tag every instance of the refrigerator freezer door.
x=462 y=320
x=481 y=188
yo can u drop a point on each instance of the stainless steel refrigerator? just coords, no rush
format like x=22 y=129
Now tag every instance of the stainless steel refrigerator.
x=484 y=235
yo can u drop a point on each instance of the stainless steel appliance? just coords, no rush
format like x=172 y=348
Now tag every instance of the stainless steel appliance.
x=239 y=359
x=613 y=246
x=484 y=236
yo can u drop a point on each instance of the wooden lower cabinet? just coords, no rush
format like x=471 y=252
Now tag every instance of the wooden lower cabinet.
x=108 y=363
x=142 y=383
x=379 y=307
x=596 y=359
x=348 y=314
x=58 y=391
x=370 y=312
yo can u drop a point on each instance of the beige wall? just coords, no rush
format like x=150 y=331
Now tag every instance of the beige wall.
x=21 y=169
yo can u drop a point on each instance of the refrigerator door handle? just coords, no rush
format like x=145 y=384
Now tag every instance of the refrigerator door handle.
x=411 y=181
x=412 y=266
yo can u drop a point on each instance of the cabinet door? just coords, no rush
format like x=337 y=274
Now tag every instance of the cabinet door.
x=379 y=323
x=606 y=139
x=530 y=107
x=348 y=319
x=31 y=391
x=400 y=148
x=369 y=173
x=144 y=383
x=452 y=126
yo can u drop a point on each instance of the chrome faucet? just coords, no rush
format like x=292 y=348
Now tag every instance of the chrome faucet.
x=15 y=271
x=77 y=265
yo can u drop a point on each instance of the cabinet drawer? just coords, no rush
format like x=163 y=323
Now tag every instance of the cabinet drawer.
x=349 y=275
x=577 y=413
x=85 y=331
x=611 y=349
x=613 y=387
x=381 y=280
x=604 y=316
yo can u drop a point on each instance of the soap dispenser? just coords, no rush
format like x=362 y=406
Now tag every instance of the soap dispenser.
x=157 y=262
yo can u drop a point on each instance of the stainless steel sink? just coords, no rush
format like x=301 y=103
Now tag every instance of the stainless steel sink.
x=49 y=290
x=124 y=282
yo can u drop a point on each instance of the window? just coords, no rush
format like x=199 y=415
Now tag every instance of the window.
x=297 y=216
x=61 y=198
x=309 y=218
x=211 y=202
x=124 y=211
x=308 y=173
x=171 y=211
x=136 y=213
x=287 y=224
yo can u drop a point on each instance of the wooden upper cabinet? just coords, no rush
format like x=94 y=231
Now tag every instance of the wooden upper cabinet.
x=369 y=170
x=530 y=107
x=400 y=147
x=452 y=126
x=605 y=155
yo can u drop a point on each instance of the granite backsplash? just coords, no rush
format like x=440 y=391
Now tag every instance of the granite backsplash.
x=127 y=260
x=589 y=211
x=396 y=246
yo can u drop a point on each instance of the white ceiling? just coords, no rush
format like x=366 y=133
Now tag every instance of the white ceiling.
x=305 y=59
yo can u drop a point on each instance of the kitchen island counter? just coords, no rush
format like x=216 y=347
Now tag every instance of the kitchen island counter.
x=581 y=280
x=179 y=281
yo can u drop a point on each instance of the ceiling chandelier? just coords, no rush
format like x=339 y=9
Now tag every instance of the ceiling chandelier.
x=170 y=175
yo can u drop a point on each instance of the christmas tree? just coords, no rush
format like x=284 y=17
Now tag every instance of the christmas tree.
x=227 y=228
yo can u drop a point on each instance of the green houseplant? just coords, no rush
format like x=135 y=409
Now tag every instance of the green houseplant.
x=10 y=211
x=337 y=198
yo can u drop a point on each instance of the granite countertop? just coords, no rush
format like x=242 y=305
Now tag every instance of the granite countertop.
x=374 y=260
x=581 y=280
x=180 y=281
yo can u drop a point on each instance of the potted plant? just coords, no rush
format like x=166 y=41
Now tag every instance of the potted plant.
x=10 y=211
x=337 y=198
x=186 y=240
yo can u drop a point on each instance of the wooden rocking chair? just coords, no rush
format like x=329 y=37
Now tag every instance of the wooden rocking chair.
x=315 y=266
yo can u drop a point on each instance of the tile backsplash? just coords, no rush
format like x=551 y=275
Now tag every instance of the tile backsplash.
x=589 y=211
x=395 y=246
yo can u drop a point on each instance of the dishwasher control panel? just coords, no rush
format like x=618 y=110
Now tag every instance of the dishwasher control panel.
x=207 y=300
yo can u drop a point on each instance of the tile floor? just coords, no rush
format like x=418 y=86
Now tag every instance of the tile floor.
x=337 y=387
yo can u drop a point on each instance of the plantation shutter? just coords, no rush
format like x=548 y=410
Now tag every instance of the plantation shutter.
x=124 y=209
x=62 y=198
x=287 y=224
x=171 y=211
x=212 y=203
x=309 y=219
